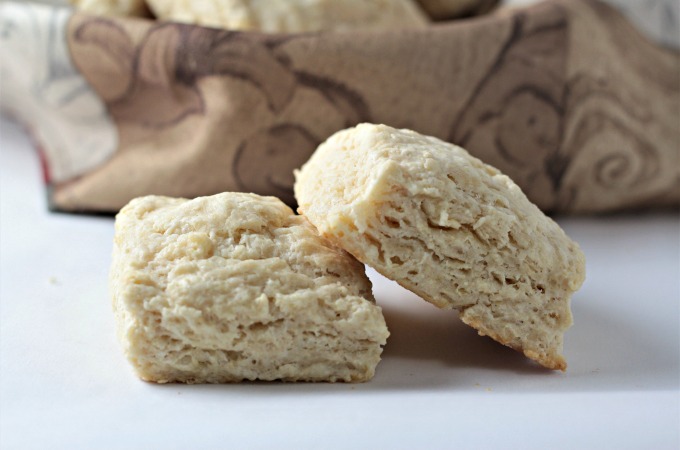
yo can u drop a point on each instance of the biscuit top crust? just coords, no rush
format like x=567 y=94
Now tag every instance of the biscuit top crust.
x=170 y=236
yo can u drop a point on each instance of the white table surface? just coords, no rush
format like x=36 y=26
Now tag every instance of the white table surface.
x=65 y=384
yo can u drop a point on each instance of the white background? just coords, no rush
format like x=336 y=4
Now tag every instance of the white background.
x=65 y=384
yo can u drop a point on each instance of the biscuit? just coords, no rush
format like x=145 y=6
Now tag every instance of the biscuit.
x=237 y=287
x=112 y=7
x=292 y=16
x=448 y=227
x=449 y=9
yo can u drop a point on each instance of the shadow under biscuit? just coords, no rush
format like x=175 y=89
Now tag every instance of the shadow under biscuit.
x=430 y=348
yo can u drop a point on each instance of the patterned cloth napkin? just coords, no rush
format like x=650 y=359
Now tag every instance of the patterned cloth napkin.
x=567 y=97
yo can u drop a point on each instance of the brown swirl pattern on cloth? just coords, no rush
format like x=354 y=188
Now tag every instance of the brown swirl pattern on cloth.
x=565 y=97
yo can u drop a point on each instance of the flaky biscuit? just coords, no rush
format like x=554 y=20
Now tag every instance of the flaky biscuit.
x=292 y=16
x=448 y=227
x=237 y=287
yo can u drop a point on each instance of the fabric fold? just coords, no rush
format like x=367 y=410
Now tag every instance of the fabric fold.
x=42 y=89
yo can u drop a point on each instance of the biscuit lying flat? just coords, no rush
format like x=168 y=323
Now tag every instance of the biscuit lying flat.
x=292 y=16
x=236 y=287
x=112 y=7
x=449 y=228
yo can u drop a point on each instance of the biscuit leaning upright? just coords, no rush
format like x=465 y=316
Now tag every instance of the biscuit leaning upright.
x=448 y=227
x=237 y=287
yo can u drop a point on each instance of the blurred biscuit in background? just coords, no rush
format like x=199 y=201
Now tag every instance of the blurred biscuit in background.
x=292 y=16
